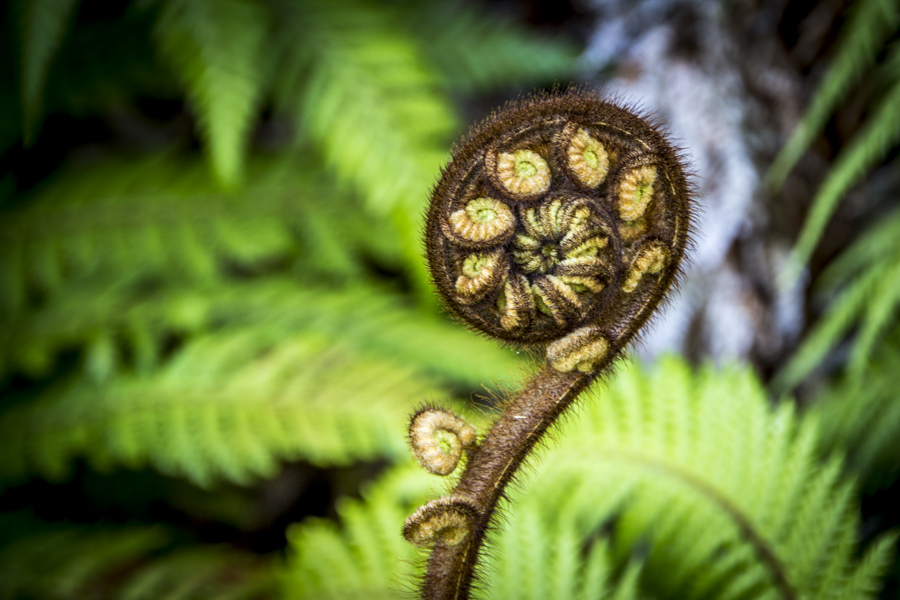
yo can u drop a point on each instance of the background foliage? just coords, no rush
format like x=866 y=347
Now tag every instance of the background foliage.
x=214 y=320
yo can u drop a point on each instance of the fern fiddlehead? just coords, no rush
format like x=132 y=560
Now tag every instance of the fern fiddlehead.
x=559 y=226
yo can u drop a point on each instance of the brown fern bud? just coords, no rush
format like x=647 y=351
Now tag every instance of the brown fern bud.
x=438 y=438
x=447 y=520
x=559 y=225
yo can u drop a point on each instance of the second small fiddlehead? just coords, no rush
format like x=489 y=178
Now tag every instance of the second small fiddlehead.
x=559 y=226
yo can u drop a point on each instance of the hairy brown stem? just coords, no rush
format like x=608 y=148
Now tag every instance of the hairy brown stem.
x=559 y=226
x=523 y=422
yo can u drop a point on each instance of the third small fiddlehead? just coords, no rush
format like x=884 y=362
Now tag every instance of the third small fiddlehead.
x=559 y=226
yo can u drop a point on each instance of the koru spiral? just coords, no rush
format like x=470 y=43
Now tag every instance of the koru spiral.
x=561 y=222
x=559 y=226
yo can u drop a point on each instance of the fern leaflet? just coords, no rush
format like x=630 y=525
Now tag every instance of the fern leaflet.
x=728 y=493
x=373 y=107
x=861 y=417
x=44 y=23
x=216 y=48
x=124 y=221
x=878 y=135
x=229 y=405
x=865 y=276
x=723 y=496
x=134 y=322
x=57 y=561
x=870 y=25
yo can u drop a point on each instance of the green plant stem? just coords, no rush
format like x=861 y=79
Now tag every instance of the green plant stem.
x=524 y=421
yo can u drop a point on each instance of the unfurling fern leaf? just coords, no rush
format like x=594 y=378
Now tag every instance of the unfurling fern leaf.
x=229 y=405
x=865 y=281
x=55 y=561
x=366 y=559
x=216 y=48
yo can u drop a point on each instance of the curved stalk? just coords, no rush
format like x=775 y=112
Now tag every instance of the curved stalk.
x=451 y=568
x=559 y=226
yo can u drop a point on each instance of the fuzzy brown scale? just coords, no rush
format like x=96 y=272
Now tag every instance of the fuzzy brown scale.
x=559 y=226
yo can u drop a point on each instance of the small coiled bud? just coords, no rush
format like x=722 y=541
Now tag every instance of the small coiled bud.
x=438 y=438
x=583 y=349
x=446 y=520
x=559 y=225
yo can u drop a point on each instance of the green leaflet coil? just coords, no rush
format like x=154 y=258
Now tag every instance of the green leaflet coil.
x=560 y=222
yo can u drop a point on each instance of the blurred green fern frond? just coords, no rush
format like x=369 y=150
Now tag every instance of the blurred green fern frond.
x=365 y=559
x=58 y=561
x=216 y=48
x=555 y=543
x=228 y=405
x=372 y=104
x=860 y=417
x=728 y=493
x=123 y=220
x=353 y=79
x=43 y=25
x=872 y=23
x=552 y=556
x=864 y=284
x=80 y=69
x=135 y=324
x=373 y=107
x=473 y=50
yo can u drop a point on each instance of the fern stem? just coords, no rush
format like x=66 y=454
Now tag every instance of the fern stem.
x=559 y=226
x=451 y=568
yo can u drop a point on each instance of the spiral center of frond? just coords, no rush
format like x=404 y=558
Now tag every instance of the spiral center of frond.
x=555 y=225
